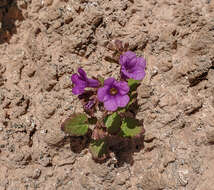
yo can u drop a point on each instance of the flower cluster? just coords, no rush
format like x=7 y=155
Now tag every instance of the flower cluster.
x=112 y=93
x=117 y=101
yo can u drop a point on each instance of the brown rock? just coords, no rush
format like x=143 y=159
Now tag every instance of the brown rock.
x=33 y=172
x=48 y=2
x=168 y=157
x=210 y=137
x=49 y=110
x=165 y=66
x=208 y=176
x=199 y=71
x=191 y=104
x=30 y=70
x=2 y=69
x=210 y=76
x=145 y=91
x=54 y=137
x=48 y=77
x=168 y=100
x=14 y=70
x=152 y=180
x=93 y=17
x=149 y=137
x=45 y=160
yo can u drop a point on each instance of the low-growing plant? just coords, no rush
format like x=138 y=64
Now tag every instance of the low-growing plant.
x=107 y=103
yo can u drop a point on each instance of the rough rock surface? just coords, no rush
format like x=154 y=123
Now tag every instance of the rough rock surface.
x=42 y=42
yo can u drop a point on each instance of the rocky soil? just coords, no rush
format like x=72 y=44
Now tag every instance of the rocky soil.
x=42 y=42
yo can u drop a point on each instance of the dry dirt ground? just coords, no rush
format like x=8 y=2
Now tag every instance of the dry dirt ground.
x=42 y=42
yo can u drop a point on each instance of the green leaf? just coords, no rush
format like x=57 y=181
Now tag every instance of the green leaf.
x=133 y=84
x=133 y=98
x=122 y=110
x=76 y=125
x=101 y=80
x=113 y=123
x=130 y=127
x=98 y=149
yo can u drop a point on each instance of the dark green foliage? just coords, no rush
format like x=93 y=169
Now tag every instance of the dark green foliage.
x=98 y=149
x=130 y=127
x=76 y=125
x=112 y=123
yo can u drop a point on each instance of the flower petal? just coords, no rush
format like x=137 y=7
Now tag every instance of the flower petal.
x=141 y=62
x=82 y=73
x=109 y=81
x=131 y=63
x=77 y=81
x=74 y=78
x=125 y=74
x=126 y=57
x=102 y=93
x=130 y=54
x=122 y=101
x=77 y=90
x=138 y=73
x=123 y=59
x=122 y=87
x=92 y=83
x=89 y=104
x=110 y=104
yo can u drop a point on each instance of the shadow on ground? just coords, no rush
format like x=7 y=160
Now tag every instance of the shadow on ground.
x=122 y=149
x=9 y=14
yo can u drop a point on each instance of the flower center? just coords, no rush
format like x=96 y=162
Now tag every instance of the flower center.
x=130 y=65
x=113 y=91
x=128 y=69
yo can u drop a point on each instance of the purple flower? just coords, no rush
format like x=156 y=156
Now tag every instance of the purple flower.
x=132 y=66
x=113 y=94
x=81 y=81
x=89 y=104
